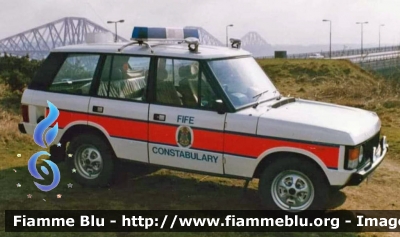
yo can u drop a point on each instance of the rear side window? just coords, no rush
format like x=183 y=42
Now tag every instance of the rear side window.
x=124 y=77
x=76 y=74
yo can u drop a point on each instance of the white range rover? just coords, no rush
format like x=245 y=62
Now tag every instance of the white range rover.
x=201 y=109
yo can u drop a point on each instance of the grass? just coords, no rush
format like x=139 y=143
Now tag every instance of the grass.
x=332 y=81
x=144 y=188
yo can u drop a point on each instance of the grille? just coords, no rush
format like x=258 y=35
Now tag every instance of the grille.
x=369 y=148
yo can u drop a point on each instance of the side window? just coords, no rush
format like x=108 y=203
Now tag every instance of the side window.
x=124 y=77
x=76 y=74
x=180 y=83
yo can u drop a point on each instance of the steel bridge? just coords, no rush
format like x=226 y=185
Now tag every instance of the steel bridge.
x=205 y=37
x=39 y=41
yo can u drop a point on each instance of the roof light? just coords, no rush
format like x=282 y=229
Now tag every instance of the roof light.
x=157 y=33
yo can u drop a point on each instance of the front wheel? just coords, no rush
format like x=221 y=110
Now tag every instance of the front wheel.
x=91 y=162
x=292 y=184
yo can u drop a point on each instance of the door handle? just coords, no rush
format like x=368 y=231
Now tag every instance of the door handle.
x=159 y=117
x=98 y=109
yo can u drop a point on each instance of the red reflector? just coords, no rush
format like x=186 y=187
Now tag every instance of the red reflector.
x=25 y=113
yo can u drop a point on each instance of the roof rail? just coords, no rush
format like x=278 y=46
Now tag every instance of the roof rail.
x=136 y=42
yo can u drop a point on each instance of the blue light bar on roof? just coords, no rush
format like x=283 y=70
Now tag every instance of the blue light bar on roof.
x=155 y=33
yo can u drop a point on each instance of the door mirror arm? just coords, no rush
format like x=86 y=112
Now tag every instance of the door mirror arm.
x=220 y=106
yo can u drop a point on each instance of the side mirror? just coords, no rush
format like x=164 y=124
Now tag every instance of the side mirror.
x=220 y=106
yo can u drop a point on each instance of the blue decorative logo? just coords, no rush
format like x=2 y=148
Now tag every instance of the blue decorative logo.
x=44 y=124
x=49 y=137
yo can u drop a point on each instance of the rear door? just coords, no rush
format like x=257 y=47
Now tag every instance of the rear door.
x=185 y=131
x=119 y=107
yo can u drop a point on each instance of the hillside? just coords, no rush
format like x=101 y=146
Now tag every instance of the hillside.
x=337 y=81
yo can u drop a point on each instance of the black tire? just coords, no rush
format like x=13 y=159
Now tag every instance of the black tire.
x=284 y=169
x=57 y=154
x=92 y=146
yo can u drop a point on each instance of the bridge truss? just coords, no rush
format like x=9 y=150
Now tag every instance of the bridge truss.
x=39 y=41
x=252 y=38
x=205 y=37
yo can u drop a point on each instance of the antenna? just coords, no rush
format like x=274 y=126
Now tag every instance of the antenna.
x=236 y=43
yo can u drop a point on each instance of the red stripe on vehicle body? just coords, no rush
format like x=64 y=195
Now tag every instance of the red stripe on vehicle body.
x=254 y=146
x=218 y=141
x=208 y=140
x=123 y=128
x=160 y=133
x=67 y=117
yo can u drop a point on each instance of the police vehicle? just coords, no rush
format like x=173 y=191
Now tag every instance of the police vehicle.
x=166 y=100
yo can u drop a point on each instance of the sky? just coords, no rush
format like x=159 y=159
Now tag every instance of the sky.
x=296 y=22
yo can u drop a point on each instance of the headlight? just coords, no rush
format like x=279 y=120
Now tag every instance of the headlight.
x=354 y=157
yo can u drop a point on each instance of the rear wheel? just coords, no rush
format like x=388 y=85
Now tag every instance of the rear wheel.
x=91 y=163
x=293 y=184
x=57 y=153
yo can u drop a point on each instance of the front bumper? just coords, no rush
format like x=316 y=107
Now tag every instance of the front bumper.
x=21 y=128
x=379 y=154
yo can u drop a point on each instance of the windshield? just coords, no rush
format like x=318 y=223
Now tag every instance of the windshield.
x=243 y=81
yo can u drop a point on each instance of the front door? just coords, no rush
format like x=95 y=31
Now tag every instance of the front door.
x=185 y=131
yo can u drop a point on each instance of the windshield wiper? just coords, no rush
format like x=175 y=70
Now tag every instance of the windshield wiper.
x=258 y=97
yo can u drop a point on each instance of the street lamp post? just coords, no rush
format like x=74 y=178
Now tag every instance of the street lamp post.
x=362 y=24
x=380 y=36
x=330 y=37
x=227 y=34
x=116 y=33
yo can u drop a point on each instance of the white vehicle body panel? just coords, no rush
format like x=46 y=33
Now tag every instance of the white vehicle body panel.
x=319 y=122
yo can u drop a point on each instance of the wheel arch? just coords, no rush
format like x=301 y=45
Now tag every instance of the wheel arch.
x=275 y=154
x=85 y=129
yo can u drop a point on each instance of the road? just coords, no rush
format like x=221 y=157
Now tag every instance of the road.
x=371 y=57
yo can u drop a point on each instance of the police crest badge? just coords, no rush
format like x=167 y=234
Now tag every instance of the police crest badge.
x=184 y=136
